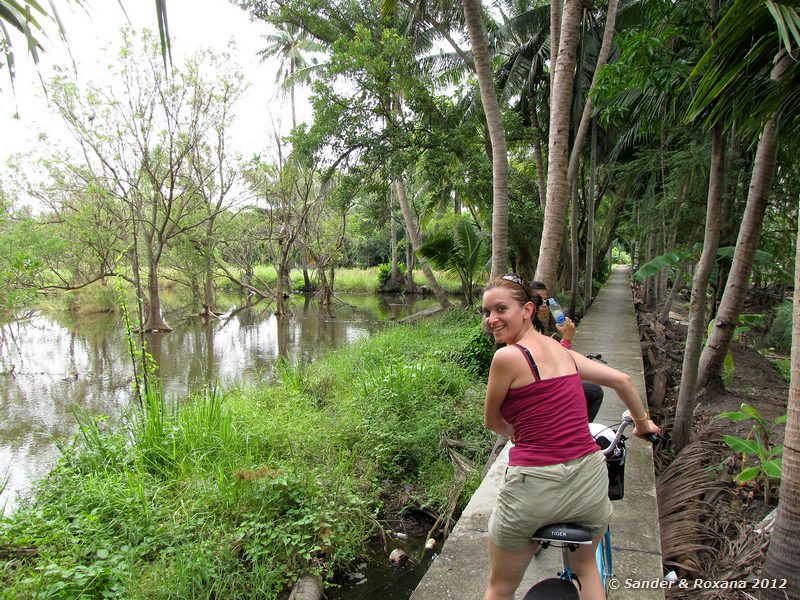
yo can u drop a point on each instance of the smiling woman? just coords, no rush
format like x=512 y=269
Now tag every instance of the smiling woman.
x=534 y=396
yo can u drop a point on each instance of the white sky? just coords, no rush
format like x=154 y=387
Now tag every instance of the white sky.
x=94 y=34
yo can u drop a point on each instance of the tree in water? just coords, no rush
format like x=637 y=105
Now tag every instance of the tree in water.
x=141 y=135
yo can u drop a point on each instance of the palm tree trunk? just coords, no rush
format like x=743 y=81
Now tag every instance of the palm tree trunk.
x=574 y=251
x=784 y=544
x=538 y=155
x=410 y=287
x=411 y=228
x=494 y=123
x=588 y=107
x=588 y=277
x=555 y=212
x=664 y=318
x=649 y=292
x=684 y=412
x=713 y=356
x=556 y=8
x=610 y=224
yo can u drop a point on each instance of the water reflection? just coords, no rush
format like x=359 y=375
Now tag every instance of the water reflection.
x=51 y=364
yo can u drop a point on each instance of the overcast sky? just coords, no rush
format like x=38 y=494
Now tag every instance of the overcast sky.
x=94 y=36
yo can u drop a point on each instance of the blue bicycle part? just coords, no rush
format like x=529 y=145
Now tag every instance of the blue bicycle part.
x=604 y=563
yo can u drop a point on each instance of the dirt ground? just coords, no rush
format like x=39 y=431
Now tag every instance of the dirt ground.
x=710 y=525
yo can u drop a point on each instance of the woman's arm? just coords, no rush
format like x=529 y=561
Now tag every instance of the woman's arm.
x=595 y=372
x=500 y=378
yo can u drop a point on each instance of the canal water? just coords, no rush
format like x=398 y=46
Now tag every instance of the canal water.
x=52 y=364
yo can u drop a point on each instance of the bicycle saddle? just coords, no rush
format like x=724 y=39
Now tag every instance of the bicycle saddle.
x=563 y=532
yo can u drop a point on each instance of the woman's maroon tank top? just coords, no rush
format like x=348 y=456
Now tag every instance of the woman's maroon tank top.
x=551 y=425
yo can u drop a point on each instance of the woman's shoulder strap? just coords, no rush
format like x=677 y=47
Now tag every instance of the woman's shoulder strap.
x=531 y=362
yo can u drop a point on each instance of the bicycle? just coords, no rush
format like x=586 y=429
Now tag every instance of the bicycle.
x=569 y=536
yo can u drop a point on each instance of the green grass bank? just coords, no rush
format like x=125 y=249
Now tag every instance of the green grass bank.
x=234 y=493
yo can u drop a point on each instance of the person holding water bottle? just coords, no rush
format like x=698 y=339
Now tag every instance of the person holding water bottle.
x=566 y=329
x=556 y=471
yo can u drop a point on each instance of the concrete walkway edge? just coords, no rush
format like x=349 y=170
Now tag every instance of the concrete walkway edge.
x=460 y=571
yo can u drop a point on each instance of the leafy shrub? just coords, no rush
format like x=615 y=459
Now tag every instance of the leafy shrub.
x=780 y=334
x=784 y=367
x=476 y=357
x=766 y=455
x=385 y=272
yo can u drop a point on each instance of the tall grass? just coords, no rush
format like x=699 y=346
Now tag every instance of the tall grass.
x=359 y=281
x=234 y=492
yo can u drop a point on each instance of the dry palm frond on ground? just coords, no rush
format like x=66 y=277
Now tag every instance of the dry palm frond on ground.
x=684 y=490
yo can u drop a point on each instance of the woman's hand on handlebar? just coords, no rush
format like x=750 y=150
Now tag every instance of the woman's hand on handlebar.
x=645 y=429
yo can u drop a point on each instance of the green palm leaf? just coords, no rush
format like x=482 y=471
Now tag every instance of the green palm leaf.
x=464 y=251
x=733 y=76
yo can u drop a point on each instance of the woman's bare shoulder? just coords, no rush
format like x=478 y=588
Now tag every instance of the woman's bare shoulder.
x=506 y=353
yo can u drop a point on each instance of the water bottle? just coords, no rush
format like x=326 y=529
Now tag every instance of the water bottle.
x=555 y=310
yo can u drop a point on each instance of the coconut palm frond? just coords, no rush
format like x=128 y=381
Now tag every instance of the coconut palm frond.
x=513 y=80
x=739 y=62
x=447 y=68
x=528 y=24
x=469 y=106
x=740 y=549
x=302 y=76
x=786 y=112
x=463 y=251
x=787 y=19
x=631 y=14
x=630 y=140
x=163 y=32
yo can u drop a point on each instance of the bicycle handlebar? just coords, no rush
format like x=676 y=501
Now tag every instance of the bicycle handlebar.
x=627 y=420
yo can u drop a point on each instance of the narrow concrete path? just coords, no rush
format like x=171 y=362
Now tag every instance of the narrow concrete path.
x=460 y=571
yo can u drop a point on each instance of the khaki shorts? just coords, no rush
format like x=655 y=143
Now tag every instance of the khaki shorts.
x=532 y=497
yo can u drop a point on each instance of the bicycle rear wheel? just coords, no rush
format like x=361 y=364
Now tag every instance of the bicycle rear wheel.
x=553 y=589
x=603 y=557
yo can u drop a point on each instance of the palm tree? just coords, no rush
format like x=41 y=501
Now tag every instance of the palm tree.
x=463 y=251
x=784 y=547
x=558 y=147
x=413 y=236
x=760 y=92
x=684 y=409
x=523 y=39
x=473 y=13
x=290 y=43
